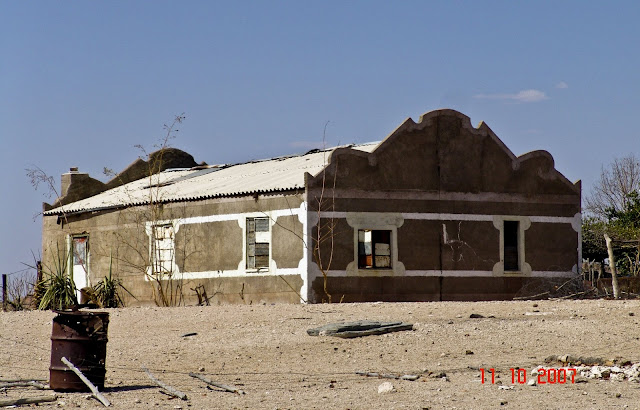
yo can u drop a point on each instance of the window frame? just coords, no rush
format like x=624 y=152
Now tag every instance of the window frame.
x=511 y=245
x=72 y=254
x=262 y=237
x=374 y=255
x=71 y=258
x=153 y=248
x=524 y=223
x=376 y=221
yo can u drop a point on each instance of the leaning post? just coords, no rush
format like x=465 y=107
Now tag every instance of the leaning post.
x=4 y=292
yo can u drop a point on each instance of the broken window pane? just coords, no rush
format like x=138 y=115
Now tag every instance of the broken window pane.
x=262 y=224
x=258 y=240
x=80 y=251
x=374 y=248
x=163 y=251
x=262 y=261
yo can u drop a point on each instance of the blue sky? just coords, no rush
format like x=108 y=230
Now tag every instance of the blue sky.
x=82 y=82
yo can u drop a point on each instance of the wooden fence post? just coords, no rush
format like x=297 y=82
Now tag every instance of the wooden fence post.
x=4 y=292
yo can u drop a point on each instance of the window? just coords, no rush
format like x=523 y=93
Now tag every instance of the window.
x=163 y=249
x=374 y=249
x=511 y=247
x=258 y=241
x=80 y=251
x=511 y=259
x=80 y=261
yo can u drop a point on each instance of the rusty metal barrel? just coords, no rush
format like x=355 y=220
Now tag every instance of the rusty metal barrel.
x=81 y=337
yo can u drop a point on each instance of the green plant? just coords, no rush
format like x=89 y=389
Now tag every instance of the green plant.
x=107 y=292
x=57 y=287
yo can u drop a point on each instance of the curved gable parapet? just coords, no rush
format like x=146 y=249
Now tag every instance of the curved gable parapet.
x=540 y=163
x=444 y=152
x=485 y=129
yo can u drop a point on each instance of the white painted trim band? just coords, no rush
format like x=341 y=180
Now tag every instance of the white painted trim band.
x=470 y=274
x=274 y=214
x=457 y=217
x=240 y=274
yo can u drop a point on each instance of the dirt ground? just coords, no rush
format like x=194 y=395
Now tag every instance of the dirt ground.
x=265 y=351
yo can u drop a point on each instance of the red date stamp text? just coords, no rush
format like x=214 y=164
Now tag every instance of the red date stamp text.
x=542 y=375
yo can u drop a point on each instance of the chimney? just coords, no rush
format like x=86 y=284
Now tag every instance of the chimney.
x=68 y=178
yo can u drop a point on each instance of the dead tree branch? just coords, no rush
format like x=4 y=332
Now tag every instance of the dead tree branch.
x=28 y=400
x=230 y=389
x=86 y=381
x=165 y=387
x=26 y=383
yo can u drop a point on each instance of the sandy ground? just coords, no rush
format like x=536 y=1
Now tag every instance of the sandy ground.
x=265 y=351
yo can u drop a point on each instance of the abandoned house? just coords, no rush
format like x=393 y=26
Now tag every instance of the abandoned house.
x=438 y=210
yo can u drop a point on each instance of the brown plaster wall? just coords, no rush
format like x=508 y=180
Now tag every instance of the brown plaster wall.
x=217 y=206
x=495 y=288
x=470 y=245
x=508 y=207
x=429 y=288
x=443 y=152
x=120 y=235
x=339 y=251
x=372 y=289
x=419 y=244
x=113 y=239
x=551 y=247
x=443 y=165
x=212 y=246
x=248 y=290
x=286 y=241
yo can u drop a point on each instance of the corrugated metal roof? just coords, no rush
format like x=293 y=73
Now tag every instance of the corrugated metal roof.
x=271 y=175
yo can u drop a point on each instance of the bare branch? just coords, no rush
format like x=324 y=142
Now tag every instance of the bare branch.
x=616 y=182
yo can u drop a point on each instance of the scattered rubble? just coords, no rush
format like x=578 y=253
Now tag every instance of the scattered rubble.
x=567 y=359
x=386 y=387
x=409 y=377
x=628 y=372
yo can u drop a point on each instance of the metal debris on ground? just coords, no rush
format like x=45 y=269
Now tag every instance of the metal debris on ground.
x=359 y=328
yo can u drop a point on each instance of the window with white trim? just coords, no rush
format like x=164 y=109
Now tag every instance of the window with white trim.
x=79 y=259
x=512 y=245
x=163 y=249
x=511 y=232
x=258 y=243
x=374 y=249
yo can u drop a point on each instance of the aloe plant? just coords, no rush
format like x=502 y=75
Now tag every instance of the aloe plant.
x=57 y=287
x=107 y=291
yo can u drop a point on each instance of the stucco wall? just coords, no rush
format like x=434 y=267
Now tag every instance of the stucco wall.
x=287 y=238
x=209 y=247
x=445 y=190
